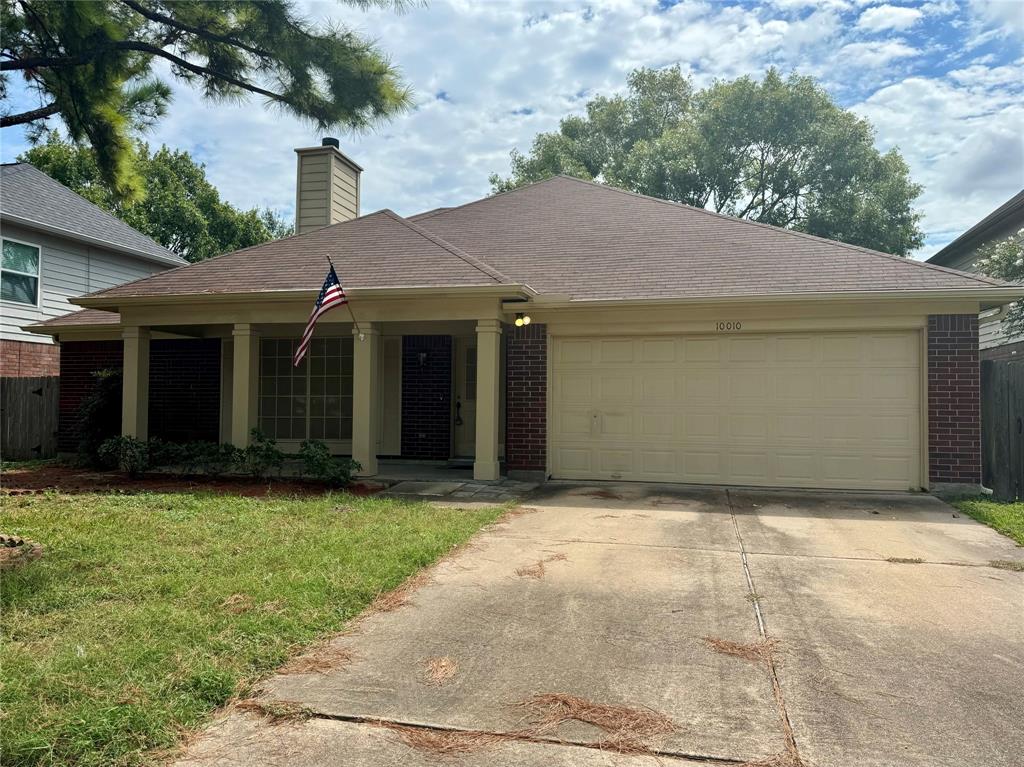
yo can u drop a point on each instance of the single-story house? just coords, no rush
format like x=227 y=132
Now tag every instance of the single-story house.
x=963 y=253
x=56 y=246
x=664 y=342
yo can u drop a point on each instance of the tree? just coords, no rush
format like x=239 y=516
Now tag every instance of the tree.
x=1004 y=259
x=779 y=151
x=92 y=64
x=182 y=210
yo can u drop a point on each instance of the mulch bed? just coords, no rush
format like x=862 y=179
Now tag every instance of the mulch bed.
x=67 y=479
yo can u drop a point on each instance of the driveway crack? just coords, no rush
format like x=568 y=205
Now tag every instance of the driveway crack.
x=780 y=702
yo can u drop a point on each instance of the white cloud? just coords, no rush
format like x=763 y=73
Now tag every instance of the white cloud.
x=1004 y=16
x=876 y=54
x=961 y=137
x=883 y=17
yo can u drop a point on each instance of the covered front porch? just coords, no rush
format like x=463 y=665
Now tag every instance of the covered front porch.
x=426 y=394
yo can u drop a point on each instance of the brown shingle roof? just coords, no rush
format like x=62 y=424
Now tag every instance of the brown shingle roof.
x=593 y=241
x=90 y=317
x=378 y=250
x=561 y=236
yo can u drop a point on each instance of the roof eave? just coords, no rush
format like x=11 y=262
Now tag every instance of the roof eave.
x=977 y=233
x=30 y=223
x=111 y=303
x=988 y=297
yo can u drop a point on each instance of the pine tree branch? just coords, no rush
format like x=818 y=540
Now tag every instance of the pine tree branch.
x=53 y=62
x=197 y=31
x=31 y=116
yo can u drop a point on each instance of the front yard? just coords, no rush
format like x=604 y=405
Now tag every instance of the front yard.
x=1007 y=518
x=148 y=611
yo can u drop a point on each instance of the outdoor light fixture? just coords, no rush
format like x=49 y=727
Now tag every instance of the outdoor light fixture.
x=522 y=319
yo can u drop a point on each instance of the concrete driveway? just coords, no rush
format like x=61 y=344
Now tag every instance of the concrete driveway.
x=894 y=641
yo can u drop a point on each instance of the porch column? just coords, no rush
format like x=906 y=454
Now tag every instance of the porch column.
x=245 y=359
x=488 y=376
x=135 y=394
x=365 y=393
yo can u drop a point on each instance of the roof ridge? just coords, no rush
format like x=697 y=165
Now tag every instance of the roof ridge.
x=476 y=263
x=487 y=198
x=857 y=248
x=90 y=203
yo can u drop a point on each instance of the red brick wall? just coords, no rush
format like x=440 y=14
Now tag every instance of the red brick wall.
x=954 y=399
x=526 y=388
x=22 y=359
x=78 y=360
x=426 y=397
x=184 y=389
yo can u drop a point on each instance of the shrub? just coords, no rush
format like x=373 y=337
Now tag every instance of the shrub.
x=99 y=415
x=125 y=453
x=213 y=459
x=163 y=453
x=261 y=455
x=318 y=462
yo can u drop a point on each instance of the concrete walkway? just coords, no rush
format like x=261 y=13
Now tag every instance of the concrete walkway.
x=897 y=642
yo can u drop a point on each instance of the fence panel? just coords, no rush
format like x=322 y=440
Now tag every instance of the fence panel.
x=1002 y=428
x=28 y=417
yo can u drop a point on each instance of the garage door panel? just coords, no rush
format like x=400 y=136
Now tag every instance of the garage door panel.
x=702 y=386
x=834 y=410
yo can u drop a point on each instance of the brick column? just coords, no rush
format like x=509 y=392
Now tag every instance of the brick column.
x=526 y=400
x=954 y=400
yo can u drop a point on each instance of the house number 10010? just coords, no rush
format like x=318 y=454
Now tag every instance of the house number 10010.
x=728 y=326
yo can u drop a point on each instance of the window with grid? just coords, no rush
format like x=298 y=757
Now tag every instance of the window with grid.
x=19 y=273
x=313 y=400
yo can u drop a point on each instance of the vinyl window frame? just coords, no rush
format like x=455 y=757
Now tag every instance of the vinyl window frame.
x=38 y=277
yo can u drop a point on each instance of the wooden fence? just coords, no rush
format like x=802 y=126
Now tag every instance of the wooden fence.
x=28 y=417
x=1002 y=428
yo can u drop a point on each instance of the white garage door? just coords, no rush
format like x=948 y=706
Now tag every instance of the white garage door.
x=837 y=410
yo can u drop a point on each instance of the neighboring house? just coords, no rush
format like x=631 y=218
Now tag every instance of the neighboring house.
x=666 y=343
x=962 y=253
x=58 y=245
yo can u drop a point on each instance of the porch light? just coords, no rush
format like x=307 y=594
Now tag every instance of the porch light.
x=522 y=319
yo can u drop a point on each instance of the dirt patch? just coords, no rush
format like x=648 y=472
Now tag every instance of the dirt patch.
x=275 y=711
x=760 y=651
x=237 y=604
x=627 y=729
x=438 y=671
x=537 y=569
x=16 y=551
x=320 y=660
x=400 y=596
x=1007 y=564
x=444 y=742
x=603 y=495
x=72 y=481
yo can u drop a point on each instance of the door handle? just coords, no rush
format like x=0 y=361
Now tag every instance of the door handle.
x=458 y=411
x=595 y=423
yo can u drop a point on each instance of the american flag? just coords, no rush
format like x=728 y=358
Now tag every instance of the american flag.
x=331 y=295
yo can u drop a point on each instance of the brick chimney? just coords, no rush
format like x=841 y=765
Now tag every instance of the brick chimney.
x=326 y=188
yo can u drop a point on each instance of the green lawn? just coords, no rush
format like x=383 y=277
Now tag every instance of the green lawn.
x=1007 y=518
x=148 y=611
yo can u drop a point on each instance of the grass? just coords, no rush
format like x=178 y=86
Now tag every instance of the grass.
x=149 y=611
x=1007 y=518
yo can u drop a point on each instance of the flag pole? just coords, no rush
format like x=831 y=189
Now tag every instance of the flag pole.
x=349 y=305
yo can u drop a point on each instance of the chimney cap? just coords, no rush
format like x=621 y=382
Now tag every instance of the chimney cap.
x=330 y=141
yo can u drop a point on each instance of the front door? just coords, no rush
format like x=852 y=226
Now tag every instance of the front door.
x=465 y=397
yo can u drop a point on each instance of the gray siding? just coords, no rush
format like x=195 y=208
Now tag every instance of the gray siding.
x=68 y=269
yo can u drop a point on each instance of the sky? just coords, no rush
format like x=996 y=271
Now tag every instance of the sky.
x=942 y=80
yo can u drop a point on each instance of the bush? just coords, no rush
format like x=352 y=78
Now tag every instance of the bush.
x=318 y=462
x=125 y=453
x=262 y=455
x=99 y=415
x=213 y=459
